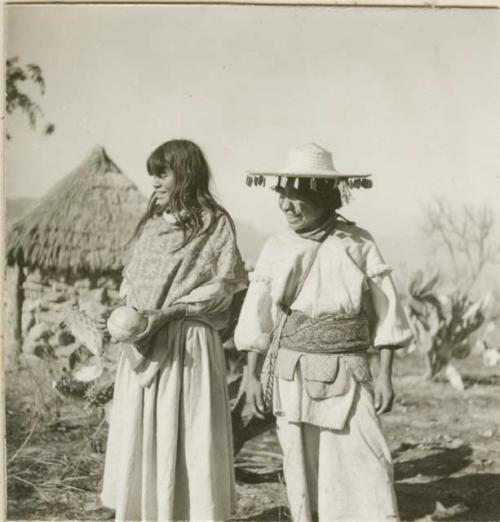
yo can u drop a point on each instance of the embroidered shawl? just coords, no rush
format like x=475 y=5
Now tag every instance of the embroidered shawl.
x=205 y=272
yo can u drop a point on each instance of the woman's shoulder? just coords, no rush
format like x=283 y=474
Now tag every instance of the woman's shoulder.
x=216 y=219
x=222 y=216
x=149 y=226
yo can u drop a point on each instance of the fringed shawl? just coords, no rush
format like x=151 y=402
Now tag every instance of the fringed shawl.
x=163 y=272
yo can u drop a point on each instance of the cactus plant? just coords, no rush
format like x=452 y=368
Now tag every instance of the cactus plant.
x=442 y=324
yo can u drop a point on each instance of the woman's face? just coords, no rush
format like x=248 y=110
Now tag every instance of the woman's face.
x=301 y=213
x=164 y=185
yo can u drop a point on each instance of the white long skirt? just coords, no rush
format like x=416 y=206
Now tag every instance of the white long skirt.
x=170 y=451
x=339 y=475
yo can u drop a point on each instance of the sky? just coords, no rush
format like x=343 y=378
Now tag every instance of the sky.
x=409 y=95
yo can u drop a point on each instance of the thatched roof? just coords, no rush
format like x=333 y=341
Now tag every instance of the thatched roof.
x=83 y=225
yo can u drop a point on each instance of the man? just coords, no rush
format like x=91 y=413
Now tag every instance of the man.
x=320 y=297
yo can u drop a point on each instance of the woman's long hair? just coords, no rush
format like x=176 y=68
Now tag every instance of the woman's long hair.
x=191 y=197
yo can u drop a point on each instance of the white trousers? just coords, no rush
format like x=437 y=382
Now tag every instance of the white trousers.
x=339 y=475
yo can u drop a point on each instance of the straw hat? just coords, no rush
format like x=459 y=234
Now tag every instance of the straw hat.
x=313 y=163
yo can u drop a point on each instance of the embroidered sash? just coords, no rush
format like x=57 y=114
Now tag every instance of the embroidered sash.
x=330 y=334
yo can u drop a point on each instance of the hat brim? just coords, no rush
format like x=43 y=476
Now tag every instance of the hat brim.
x=325 y=174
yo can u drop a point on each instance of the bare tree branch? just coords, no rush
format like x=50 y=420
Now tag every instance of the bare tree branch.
x=467 y=236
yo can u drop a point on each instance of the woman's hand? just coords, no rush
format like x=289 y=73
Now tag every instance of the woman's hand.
x=254 y=399
x=156 y=320
x=384 y=394
x=154 y=323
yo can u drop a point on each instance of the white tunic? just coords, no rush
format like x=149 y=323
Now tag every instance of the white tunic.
x=347 y=276
x=336 y=464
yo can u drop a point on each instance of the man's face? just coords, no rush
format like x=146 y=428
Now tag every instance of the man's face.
x=301 y=212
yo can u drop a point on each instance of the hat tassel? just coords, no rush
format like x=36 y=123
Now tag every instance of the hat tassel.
x=314 y=184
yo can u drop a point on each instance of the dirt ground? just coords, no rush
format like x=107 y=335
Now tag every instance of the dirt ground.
x=445 y=446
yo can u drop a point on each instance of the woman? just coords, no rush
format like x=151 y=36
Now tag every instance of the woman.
x=320 y=296
x=169 y=452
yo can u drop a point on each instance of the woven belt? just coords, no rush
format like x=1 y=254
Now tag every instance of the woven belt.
x=329 y=334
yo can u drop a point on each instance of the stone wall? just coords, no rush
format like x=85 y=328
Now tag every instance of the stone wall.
x=46 y=296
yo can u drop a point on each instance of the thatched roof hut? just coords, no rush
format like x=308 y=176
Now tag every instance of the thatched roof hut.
x=81 y=229
x=83 y=225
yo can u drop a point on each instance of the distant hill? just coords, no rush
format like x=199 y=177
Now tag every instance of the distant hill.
x=17 y=207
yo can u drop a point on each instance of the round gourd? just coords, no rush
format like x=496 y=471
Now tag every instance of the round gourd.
x=126 y=323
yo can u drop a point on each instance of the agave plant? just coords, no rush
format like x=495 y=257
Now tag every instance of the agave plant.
x=82 y=380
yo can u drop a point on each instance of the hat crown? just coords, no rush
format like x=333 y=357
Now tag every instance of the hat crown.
x=309 y=158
